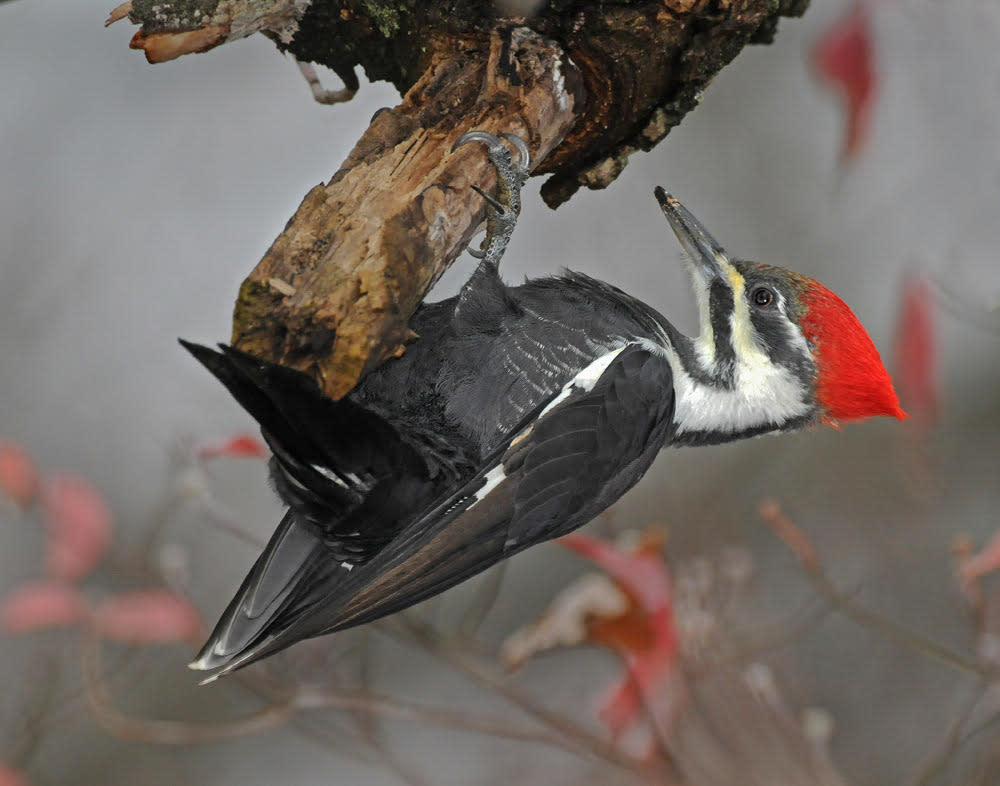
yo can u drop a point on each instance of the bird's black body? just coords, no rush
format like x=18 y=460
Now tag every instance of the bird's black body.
x=519 y=415
x=382 y=485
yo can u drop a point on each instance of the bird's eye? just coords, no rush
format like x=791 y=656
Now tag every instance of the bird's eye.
x=762 y=296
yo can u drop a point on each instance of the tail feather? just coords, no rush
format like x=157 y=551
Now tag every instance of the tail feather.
x=329 y=446
x=350 y=479
x=258 y=610
x=250 y=395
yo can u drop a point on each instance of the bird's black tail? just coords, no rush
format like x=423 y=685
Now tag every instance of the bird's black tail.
x=330 y=461
x=255 y=616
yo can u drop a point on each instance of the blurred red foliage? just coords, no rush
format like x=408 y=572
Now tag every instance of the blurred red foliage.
x=239 y=446
x=844 y=58
x=18 y=474
x=78 y=526
x=644 y=636
x=147 y=617
x=10 y=777
x=78 y=534
x=916 y=352
x=42 y=604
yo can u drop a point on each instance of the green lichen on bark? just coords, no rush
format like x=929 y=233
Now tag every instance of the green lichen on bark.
x=387 y=15
x=254 y=311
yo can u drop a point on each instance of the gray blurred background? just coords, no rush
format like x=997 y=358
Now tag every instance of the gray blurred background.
x=134 y=199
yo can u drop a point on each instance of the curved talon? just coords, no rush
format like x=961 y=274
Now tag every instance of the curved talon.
x=501 y=214
x=478 y=136
x=524 y=164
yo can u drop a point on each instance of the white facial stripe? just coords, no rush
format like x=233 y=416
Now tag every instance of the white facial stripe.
x=704 y=345
x=764 y=393
x=745 y=345
x=795 y=336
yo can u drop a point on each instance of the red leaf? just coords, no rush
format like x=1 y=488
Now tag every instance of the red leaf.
x=41 y=604
x=650 y=684
x=916 y=351
x=844 y=58
x=18 y=474
x=641 y=573
x=10 y=776
x=240 y=446
x=645 y=635
x=78 y=524
x=147 y=617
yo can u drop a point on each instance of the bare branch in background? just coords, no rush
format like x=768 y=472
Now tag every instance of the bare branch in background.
x=793 y=537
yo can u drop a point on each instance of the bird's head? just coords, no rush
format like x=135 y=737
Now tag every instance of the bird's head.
x=779 y=349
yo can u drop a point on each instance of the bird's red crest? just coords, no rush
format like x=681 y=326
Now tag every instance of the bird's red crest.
x=852 y=383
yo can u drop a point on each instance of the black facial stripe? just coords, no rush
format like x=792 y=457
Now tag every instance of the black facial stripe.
x=777 y=343
x=720 y=313
x=773 y=334
x=684 y=348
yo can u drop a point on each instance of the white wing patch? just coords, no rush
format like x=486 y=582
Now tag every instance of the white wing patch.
x=585 y=379
x=493 y=479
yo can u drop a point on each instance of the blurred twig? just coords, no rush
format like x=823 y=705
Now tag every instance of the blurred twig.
x=580 y=740
x=160 y=731
x=954 y=739
x=483 y=600
x=812 y=566
x=279 y=711
x=765 y=639
x=36 y=714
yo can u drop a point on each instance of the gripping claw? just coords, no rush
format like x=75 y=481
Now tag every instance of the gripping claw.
x=503 y=209
x=524 y=164
x=493 y=203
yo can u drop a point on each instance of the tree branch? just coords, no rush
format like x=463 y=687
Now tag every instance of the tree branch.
x=334 y=294
x=584 y=82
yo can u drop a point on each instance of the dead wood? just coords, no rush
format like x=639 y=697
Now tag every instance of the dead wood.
x=584 y=82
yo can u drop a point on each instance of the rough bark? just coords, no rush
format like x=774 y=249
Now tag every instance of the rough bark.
x=335 y=292
x=584 y=82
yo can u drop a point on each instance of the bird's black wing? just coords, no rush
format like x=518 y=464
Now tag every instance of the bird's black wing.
x=569 y=461
x=582 y=455
x=570 y=458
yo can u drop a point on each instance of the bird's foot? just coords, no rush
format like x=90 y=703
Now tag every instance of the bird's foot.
x=504 y=208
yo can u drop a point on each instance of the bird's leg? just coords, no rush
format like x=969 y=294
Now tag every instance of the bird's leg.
x=503 y=209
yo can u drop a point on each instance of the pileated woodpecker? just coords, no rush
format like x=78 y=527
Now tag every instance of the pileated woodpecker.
x=520 y=414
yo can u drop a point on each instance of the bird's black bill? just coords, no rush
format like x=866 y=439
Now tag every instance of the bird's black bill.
x=707 y=255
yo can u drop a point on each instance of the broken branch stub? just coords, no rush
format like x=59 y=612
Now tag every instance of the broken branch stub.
x=334 y=294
